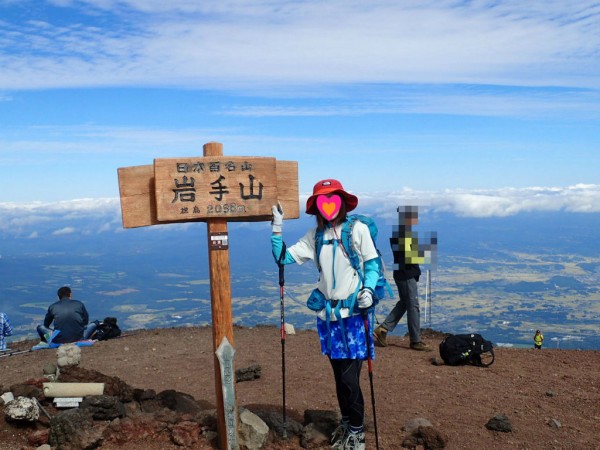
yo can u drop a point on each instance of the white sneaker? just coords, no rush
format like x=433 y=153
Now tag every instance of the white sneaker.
x=355 y=441
x=339 y=436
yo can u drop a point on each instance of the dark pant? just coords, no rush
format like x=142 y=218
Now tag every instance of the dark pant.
x=88 y=330
x=409 y=304
x=347 y=385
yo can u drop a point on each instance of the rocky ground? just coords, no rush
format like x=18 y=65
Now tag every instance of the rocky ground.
x=551 y=397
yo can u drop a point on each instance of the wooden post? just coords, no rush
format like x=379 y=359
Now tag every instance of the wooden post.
x=175 y=190
x=220 y=293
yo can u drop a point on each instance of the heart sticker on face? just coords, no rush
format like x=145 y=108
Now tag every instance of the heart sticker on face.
x=329 y=207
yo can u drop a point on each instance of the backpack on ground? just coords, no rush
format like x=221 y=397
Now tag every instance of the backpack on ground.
x=460 y=349
x=346 y=241
x=107 y=329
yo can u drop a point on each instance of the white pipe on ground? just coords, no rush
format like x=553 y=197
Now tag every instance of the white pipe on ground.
x=73 y=389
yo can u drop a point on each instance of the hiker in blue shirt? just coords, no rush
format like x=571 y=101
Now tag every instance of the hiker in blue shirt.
x=342 y=333
x=5 y=330
x=69 y=316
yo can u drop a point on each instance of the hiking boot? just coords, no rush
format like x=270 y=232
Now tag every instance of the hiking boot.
x=339 y=436
x=420 y=346
x=355 y=441
x=380 y=335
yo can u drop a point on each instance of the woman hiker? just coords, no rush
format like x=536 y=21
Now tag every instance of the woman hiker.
x=341 y=330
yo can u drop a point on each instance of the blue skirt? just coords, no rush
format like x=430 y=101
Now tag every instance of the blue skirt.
x=354 y=327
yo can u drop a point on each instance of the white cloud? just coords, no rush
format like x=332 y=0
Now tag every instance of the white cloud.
x=29 y=217
x=63 y=231
x=580 y=198
x=228 y=44
x=93 y=216
x=451 y=100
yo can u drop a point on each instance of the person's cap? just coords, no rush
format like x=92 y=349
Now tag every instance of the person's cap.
x=325 y=187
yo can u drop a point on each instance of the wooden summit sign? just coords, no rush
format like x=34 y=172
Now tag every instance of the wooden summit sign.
x=214 y=189
x=186 y=190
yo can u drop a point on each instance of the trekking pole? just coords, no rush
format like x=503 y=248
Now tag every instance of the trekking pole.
x=370 y=365
x=13 y=353
x=281 y=295
x=425 y=309
x=430 y=295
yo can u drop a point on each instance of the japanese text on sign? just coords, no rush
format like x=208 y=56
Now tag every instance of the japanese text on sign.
x=204 y=188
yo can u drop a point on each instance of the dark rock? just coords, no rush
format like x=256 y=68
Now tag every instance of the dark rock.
x=208 y=420
x=151 y=405
x=167 y=416
x=311 y=437
x=499 y=423
x=274 y=420
x=73 y=430
x=178 y=401
x=141 y=395
x=427 y=437
x=147 y=400
x=205 y=404
x=325 y=421
x=113 y=386
x=27 y=390
x=550 y=394
x=248 y=373
x=103 y=407
x=132 y=409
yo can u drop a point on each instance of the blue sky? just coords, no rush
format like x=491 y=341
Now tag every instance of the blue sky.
x=477 y=107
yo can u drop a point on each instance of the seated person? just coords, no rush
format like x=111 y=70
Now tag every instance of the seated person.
x=5 y=330
x=69 y=316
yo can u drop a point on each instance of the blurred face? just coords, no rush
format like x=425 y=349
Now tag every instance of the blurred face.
x=411 y=218
x=329 y=206
x=409 y=215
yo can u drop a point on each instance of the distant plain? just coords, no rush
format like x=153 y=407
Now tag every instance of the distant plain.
x=501 y=277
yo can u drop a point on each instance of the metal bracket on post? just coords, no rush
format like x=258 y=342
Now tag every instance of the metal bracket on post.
x=225 y=354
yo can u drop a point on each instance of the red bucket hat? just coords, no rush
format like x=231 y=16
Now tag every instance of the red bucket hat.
x=325 y=187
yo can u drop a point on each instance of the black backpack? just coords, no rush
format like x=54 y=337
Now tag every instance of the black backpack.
x=460 y=349
x=107 y=329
